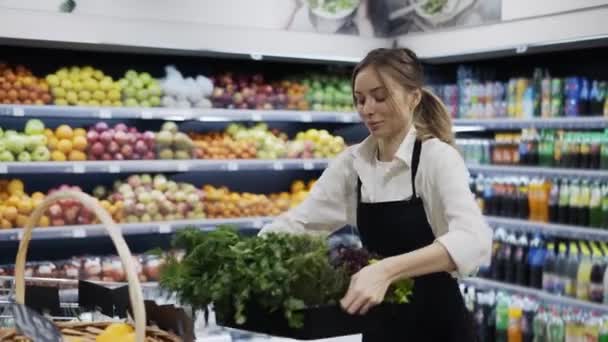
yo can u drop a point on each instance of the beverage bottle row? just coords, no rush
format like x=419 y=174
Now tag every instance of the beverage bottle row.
x=575 y=269
x=500 y=317
x=544 y=96
x=559 y=200
x=548 y=148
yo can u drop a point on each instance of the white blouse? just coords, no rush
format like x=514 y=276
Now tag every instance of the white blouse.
x=441 y=182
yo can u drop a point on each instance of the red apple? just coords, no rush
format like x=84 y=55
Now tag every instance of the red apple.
x=92 y=136
x=148 y=136
x=55 y=211
x=131 y=138
x=121 y=127
x=133 y=130
x=113 y=147
x=119 y=156
x=106 y=137
x=97 y=149
x=121 y=137
x=127 y=151
x=149 y=155
x=101 y=127
x=106 y=156
x=140 y=147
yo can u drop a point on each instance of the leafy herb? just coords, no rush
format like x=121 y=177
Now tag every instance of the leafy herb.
x=279 y=272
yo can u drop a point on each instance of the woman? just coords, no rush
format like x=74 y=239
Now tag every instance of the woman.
x=405 y=187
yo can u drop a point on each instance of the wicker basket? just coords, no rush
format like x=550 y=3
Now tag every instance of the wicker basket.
x=86 y=331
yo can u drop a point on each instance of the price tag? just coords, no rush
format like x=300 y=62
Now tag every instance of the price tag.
x=521 y=49
x=18 y=111
x=306 y=117
x=33 y=325
x=20 y=235
x=164 y=228
x=114 y=168
x=3 y=169
x=105 y=114
x=346 y=118
x=146 y=115
x=278 y=166
x=308 y=165
x=256 y=117
x=78 y=168
x=233 y=166
x=183 y=167
x=79 y=233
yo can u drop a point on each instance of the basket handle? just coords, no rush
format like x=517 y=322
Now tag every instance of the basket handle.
x=135 y=291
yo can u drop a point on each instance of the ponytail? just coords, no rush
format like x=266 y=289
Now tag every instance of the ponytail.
x=432 y=119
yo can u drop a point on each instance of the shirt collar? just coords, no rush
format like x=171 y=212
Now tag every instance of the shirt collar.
x=367 y=148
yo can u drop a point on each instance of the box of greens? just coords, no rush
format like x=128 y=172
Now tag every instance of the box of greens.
x=280 y=284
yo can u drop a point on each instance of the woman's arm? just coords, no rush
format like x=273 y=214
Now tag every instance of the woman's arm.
x=325 y=208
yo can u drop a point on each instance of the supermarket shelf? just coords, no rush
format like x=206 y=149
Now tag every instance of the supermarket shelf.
x=128 y=166
x=177 y=114
x=538 y=171
x=562 y=230
x=84 y=231
x=510 y=123
x=535 y=293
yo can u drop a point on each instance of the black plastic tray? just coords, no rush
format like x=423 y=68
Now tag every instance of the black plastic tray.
x=319 y=322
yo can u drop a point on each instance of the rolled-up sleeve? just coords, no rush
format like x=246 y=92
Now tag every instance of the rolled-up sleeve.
x=324 y=209
x=469 y=238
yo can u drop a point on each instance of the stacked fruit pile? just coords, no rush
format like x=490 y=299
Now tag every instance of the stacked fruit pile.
x=173 y=144
x=315 y=143
x=220 y=202
x=248 y=92
x=268 y=144
x=24 y=147
x=140 y=89
x=19 y=86
x=84 y=86
x=221 y=145
x=120 y=142
x=155 y=198
x=185 y=92
x=69 y=211
x=67 y=143
x=329 y=93
x=16 y=205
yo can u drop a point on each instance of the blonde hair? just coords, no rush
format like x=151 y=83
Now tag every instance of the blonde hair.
x=430 y=117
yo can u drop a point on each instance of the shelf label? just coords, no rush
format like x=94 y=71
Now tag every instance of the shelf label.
x=113 y=168
x=146 y=114
x=20 y=235
x=183 y=167
x=78 y=168
x=3 y=169
x=257 y=224
x=308 y=165
x=306 y=117
x=256 y=117
x=278 y=166
x=346 y=118
x=79 y=233
x=18 y=111
x=105 y=113
x=233 y=166
x=5 y=110
x=164 y=228
x=521 y=49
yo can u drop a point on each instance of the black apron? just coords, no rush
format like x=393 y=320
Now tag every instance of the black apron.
x=436 y=311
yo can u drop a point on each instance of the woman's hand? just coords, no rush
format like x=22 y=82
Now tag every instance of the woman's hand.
x=367 y=289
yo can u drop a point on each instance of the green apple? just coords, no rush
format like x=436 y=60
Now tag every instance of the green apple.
x=41 y=153
x=131 y=102
x=145 y=77
x=145 y=104
x=6 y=156
x=34 y=127
x=131 y=75
x=154 y=101
x=154 y=89
x=106 y=84
x=24 y=157
x=138 y=84
x=32 y=142
x=10 y=133
x=129 y=92
x=15 y=143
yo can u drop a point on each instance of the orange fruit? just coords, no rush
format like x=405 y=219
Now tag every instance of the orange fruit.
x=58 y=156
x=13 y=201
x=15 y=186
x=25 y=207
x=52 y=143
x=44 y=221
x=49 y=133
x=5 y=224
x=77 y=156
x=21 y=220
x=10 y=213
x=64 y=132
x=65 y=146
x=80 y=132
x=79 y=143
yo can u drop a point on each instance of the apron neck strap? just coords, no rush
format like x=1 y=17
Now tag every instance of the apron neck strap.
x=415 y=162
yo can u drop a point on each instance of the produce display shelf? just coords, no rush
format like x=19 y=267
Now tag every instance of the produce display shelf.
x=545 y=297
x=554 y=229
x=128 y=166
x=532 y=171
x=177 y=114
x=582 y=122
x=84 y=231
